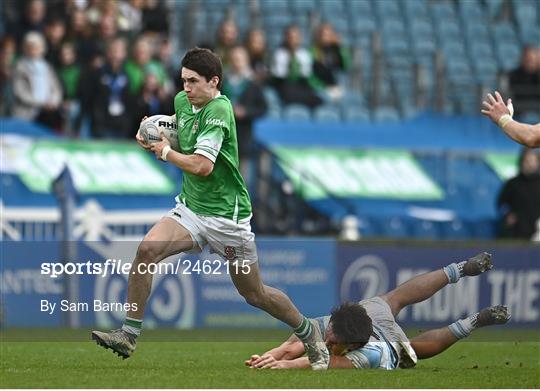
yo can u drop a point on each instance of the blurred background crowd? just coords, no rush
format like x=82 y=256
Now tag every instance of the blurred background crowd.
x=91 y=69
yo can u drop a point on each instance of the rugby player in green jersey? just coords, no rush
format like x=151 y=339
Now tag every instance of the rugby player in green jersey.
x=213 y=209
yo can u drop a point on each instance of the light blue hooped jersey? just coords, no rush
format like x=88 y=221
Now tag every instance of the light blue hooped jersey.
x=377 y=353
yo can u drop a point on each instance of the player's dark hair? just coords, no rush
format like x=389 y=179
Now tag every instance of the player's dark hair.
x=205 y=62
x=351 y=324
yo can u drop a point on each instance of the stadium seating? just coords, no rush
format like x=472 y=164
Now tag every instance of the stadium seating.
x=469 y=42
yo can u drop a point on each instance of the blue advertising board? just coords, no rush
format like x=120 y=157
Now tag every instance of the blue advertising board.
x=367 y=269
x=196 y=291
x=315 y=273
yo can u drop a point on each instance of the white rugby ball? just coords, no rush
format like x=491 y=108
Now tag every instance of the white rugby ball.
x=153 y=127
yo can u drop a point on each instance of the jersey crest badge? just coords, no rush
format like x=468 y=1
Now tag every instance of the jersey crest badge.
x=230 y=253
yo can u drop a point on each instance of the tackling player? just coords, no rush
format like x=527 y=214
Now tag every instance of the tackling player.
x=366 y=335
x=213 y=209
x=501 y=114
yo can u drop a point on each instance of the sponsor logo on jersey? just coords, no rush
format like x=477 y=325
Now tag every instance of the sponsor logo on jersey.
x=181 y=122
x=215 y=122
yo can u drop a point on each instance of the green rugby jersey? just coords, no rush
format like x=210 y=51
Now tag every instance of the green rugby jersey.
x=211 y=132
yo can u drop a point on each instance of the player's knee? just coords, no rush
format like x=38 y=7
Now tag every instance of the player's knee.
x=148 y=252
x=393 y=302
x=254 y=297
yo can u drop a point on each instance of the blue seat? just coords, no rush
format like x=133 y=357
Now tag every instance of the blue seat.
x=393 y=28
x=423 y=46
x=470 y=10
x=216 y=5
x=277 y=21
x=394 y=227
x=387 y=9
x=494 y=8
x=296 y=112
x=367 y=227
x=455 y=230
x=504 y=32
x=274 y=38
x=477 y=31
x=340 y=23
x=415 y=9
x=355 y=114
x=274 y=112
x=459 y=71
x=362 y=25
x=425 y=229
x=480 y=50
x=509 y=55
x=486 y=71
x=386 y=114
x=329 y=7
x=483 y=229
x=396 y=47
x=302 y=6
x=274 y=6
x=353 y=98
x=530 y=35
x=526 y=12
x=454 y=50
x=449 y=30
x=359 y=7
x=443 y=11
x=327 y=114
x=420 y=29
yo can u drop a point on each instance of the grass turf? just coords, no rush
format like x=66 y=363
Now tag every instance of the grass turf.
x=214 y=359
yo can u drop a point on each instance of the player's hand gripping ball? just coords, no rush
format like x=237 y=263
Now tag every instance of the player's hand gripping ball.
x=153 y=127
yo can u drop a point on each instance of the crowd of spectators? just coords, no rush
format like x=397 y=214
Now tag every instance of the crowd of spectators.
x=89 y=68
x=94 y=68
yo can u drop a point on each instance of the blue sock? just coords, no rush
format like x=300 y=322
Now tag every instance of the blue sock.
x=463 y=327
x=454 y=271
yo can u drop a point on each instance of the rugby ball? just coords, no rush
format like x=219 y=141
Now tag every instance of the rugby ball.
x=153 y=127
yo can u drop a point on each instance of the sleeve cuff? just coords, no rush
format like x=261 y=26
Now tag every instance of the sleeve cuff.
x=206 y=154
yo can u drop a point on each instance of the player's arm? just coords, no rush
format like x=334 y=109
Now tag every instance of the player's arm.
x=196 y=164
x=290 y=349
x=525 y=134
x=340 y=362
x=266 y=361
x=500 y=113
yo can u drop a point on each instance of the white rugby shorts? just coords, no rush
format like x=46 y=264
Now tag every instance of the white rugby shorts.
x=379 y=311
x=233 y=241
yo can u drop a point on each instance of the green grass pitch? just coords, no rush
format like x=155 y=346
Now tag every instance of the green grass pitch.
x=214 y=359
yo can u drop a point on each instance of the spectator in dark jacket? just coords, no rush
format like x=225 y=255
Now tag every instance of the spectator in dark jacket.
x=292 y=70
x=330 y=58
x=247 y=100
x=519 y=200
x=33 y=19
x=109 y=95
x=258 y=54
x=151 y=100
x=525 y=82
